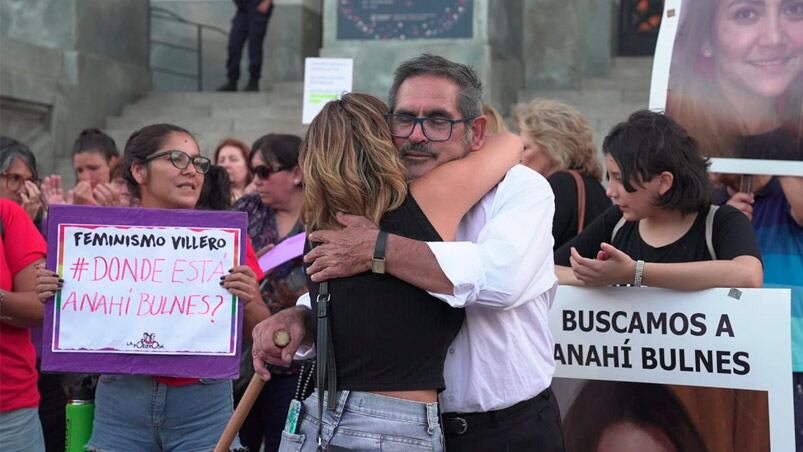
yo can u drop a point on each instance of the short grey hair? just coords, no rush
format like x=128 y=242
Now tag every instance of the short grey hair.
x=470 y=97
x=11 y=149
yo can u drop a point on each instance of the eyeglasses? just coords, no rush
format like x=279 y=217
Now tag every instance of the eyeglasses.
x=435 y=129
x=263 y=171
x=15 y=181
x=182 y=160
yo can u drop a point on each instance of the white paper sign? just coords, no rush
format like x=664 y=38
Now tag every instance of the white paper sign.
x=143 y=289
x=325 y=79
x=718 y=338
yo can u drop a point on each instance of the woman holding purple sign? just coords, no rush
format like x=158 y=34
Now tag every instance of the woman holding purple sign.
x=164 y=169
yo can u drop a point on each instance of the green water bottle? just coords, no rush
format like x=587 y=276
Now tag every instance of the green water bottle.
x=80 y=414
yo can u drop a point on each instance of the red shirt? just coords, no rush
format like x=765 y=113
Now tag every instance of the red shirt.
x=250 y=260
x=21 y=246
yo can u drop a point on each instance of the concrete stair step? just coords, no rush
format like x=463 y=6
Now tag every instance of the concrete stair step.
x=192 y=124
x=207 y=98
x=639 y=84
x=148 y=109
x=270 y=124
x=288 y=88
x=631 y=67
x=578 y=97
x=289 y=110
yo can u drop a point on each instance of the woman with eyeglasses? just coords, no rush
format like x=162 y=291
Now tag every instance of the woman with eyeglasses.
x=19 y=177
x=274 y=211
x=164 y=169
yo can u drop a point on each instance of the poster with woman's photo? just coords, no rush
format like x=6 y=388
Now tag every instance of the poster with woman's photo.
x=731 y=72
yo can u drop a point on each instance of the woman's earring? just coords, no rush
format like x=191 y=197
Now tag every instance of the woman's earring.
x=706 y=50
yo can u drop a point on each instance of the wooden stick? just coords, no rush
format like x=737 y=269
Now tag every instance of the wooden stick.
x=240 y=413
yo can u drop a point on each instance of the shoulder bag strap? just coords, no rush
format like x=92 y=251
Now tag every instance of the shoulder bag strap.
x=326 y=371
x=709 y=231
x=581 y=199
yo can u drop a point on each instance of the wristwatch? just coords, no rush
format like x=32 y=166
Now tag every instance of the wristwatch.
x=378 y=262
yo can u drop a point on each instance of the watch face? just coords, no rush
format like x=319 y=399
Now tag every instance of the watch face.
x=378 y=266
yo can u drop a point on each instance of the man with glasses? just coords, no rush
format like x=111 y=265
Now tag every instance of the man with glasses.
x=499 y=368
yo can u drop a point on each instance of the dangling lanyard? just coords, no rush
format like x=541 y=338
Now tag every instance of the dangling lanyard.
x=326 y=372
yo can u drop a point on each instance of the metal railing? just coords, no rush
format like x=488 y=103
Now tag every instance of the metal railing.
x=165 y=14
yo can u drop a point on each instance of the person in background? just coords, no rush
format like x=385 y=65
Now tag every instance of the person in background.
x=94 y=155
x=250 y=23
x=496 y=123
x=232 y=155
x=164 y=169
x=19 y=177
x=558 y=143
x=655 y=234
x=21 y=249
x=274 y=212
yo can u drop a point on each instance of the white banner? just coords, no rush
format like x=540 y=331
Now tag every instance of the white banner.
x=721 y=338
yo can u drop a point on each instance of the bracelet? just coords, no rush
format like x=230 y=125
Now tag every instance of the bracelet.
x=639 y=273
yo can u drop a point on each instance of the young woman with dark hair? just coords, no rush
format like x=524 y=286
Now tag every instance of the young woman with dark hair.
x=655 y=234
x=94 y=156
x=163 y=168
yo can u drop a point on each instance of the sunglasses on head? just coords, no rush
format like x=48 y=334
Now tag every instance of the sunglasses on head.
x=264 y=171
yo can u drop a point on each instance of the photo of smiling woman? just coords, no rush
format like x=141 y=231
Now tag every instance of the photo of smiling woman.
x=736 y=77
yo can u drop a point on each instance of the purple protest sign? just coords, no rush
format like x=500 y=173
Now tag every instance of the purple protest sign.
x=288 y=249
x=141 y=292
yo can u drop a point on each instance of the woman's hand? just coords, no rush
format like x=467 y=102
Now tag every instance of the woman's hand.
x=744 y=202
x=53 y=191
x=31 y=199
x=106 y=195
x=82 y=194
x=47 y=283
x=611 y=267
x=241 y=282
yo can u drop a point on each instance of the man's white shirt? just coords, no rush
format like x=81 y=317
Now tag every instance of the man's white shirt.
x=503 y=274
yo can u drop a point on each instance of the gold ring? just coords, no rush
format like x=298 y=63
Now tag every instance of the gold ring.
x=281 y=338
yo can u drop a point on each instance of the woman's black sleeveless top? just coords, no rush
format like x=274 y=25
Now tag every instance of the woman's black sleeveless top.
x=389 y=335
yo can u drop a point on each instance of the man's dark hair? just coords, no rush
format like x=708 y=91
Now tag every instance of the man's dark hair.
x=649 y=143
x=470 y=99
x=141 y=145
x=94 y=140
x=280 y=148
x=11 y=149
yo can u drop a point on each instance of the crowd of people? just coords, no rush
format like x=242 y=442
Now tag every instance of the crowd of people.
x=435 y=243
